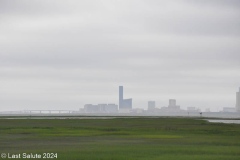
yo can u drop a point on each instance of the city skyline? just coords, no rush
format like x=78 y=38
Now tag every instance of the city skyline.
x=125 y=105
x=64 y=54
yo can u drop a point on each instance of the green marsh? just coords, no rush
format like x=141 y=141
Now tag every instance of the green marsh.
x=122 y=138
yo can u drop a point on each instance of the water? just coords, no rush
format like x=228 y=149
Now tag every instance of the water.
x=224 y=121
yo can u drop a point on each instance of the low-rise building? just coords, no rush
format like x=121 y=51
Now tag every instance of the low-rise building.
x=101 y=108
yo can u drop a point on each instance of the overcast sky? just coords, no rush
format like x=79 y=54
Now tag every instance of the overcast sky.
x=62 y=54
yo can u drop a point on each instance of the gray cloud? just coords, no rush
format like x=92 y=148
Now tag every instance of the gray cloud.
x=60 y=53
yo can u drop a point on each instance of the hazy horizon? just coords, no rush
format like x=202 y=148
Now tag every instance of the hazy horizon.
x=64 y=54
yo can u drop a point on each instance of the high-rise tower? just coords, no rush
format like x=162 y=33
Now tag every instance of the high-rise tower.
x=120 y=96
x=238 y=100
x=124 y=103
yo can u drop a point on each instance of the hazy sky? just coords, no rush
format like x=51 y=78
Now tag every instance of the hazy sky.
x=62 y=54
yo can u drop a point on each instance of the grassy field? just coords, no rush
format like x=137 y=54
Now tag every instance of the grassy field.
x=122 y=138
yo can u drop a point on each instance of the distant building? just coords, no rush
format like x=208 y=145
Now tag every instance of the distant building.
x=101 y=108
x=229 y=109
x=123 y=110
x=151 y=105
x=124 y=104
x=137 y=110
x=172 y=107
x=172 y=104
x=111 y=108
x=164 y=109
x=238 y=100
x=90 y=108
x=193 y=109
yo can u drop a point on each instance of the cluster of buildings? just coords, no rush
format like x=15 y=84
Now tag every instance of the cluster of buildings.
x=125 y=106
x=101 y=108
x=172 y=107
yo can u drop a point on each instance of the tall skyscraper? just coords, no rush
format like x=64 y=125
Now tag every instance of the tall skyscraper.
x=238 y=100
x=124 y=103
x=120 y=96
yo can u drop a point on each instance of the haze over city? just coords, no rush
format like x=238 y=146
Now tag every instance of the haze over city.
x=64 y=54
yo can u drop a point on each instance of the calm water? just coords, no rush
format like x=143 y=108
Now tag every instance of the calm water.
x=223 y=121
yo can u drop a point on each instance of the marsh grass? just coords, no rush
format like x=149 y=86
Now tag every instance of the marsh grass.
x=122 y=138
